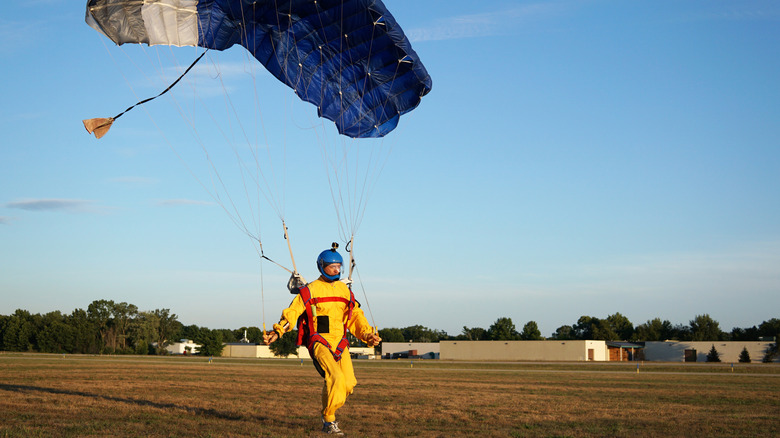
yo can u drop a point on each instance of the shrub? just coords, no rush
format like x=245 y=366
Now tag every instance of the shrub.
x=744 y=357
x=713 y=355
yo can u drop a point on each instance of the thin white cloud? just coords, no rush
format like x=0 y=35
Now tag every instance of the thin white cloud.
x=6 y=220
x=483 y=24
x=65 y=205
x=178 y=202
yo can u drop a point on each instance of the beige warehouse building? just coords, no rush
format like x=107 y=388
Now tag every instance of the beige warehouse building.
x=690 y=351
x=524 y=350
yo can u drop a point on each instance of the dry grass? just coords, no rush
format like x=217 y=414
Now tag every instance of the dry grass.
x=45 y=395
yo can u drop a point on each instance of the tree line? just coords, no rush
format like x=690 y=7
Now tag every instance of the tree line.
x=617 y=327
x=107 y=327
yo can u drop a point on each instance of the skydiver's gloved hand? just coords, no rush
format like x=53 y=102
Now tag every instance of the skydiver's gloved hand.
x=373 y=340
x=270 y=337
x=274 y=335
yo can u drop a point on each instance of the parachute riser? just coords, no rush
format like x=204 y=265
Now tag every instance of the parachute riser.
x=289 y=247
x=350 y=249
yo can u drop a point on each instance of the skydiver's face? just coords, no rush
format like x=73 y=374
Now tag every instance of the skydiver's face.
x=332 y=269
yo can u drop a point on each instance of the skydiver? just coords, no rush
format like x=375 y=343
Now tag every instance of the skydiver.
x=324 y=310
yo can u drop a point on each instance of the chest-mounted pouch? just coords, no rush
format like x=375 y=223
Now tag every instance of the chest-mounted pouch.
x=323 y=324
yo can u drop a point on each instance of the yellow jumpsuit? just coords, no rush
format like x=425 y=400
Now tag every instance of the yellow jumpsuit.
x=339 y=376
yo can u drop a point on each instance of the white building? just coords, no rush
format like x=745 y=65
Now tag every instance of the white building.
x=184 y=346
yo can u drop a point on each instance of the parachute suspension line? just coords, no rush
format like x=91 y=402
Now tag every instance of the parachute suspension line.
x=266 y=189
x=251 y=68
x=213 y=194
x=100 y=126
x=162 y=132
x=350 y=248
x=216 y=177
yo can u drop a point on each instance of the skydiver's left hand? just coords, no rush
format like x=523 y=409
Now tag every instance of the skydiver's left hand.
x=270 y=337
x=373 y=340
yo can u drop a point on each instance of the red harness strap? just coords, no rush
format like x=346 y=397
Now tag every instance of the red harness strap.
x=306 y=323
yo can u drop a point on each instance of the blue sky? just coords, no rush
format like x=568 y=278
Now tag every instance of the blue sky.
x=574 y=158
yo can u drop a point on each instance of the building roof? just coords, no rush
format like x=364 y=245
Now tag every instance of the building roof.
x=623 y=344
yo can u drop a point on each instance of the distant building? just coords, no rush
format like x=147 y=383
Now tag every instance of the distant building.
x=184 y=346
x=620 y=351
x=421 y=350
x=689 y=351
x=525 y=350
x=586 y=351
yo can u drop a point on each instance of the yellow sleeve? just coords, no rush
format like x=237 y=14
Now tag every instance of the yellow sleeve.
x=358 y=325
x=290 y=315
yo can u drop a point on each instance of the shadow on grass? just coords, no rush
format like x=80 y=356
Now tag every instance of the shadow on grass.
x=207 y=412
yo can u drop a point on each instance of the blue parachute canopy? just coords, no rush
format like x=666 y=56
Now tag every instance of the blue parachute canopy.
x=347 y=57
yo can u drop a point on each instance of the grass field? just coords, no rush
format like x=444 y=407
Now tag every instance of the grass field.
x=50 y=395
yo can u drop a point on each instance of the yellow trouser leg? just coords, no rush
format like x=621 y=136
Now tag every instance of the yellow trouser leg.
x=339 y=380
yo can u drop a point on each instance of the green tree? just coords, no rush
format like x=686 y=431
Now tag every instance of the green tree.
x=211 y=343
x=586 y=327
x=744 y=357
x=602 y=330
x=228 y=336
x=713 y=355
x=771 y=353
x=285 y=346
x=189 y=332
x=19 y=332
x=124 y=314
x=100 y=315
x=474 y=334
x=620 y=326
x=391 y=335
x=704 y=328
x=744 y=334
x=563 y=333
x=418 y=333
x=770 y=329
x=167 y=326
x=85 y=336
x=531 y=332
x=55 y=335
x=682 y=332
x=144 y=332
x=253 y=334
x=503 y=330
x=4 y=320
x=654 y=330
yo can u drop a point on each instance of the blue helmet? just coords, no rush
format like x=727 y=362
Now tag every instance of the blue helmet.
x=329 y=257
